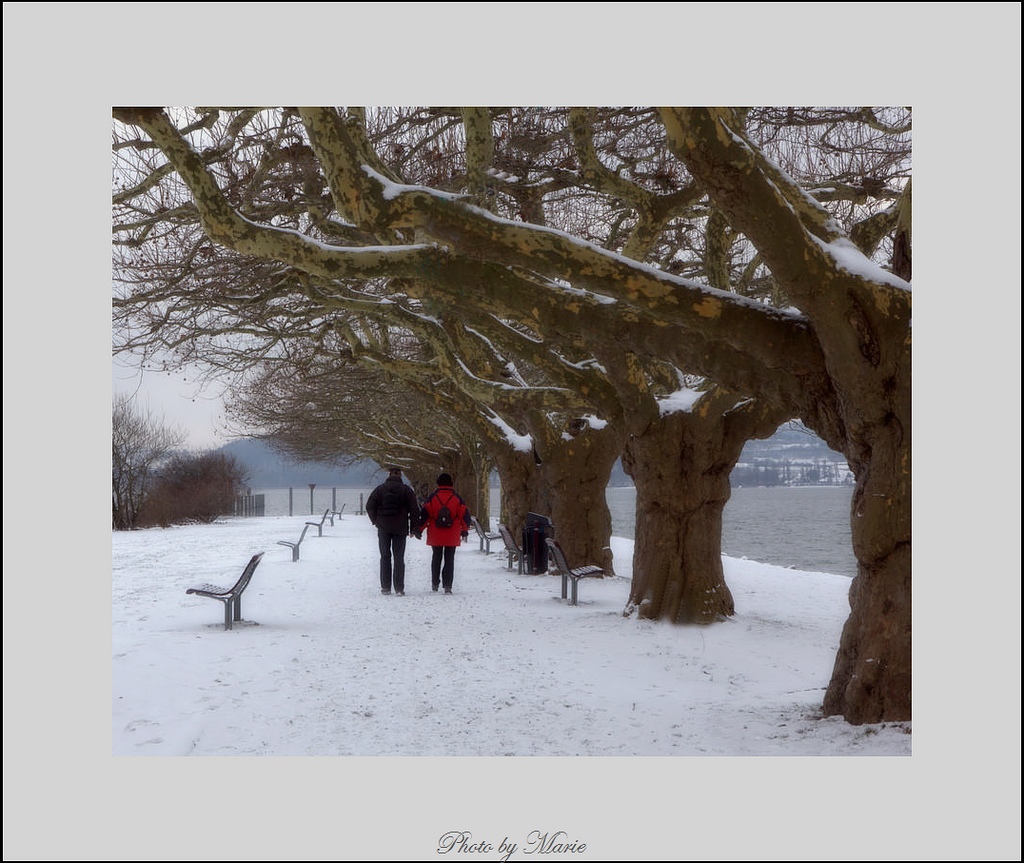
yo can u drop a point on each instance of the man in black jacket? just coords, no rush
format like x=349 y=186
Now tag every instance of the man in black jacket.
x=394 y=511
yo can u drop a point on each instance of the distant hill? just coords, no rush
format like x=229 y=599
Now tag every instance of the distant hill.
x=792 y=443
x=265 y=467
x=792 y=456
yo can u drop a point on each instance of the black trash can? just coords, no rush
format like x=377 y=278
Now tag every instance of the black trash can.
x=535 y=551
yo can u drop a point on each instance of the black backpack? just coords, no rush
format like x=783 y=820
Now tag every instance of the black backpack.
x=444 y=517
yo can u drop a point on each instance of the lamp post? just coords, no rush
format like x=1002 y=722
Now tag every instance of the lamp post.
x=312 y=486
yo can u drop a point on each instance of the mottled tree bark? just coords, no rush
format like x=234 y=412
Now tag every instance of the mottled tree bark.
x=677 y=562
x=564 y=478
x=871 y=680
x=577 y=469
x=681 y=466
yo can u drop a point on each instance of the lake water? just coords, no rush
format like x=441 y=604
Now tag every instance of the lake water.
x=804 y=528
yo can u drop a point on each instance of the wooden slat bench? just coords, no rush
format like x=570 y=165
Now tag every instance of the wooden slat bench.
x=568 y=573
x=485 y=537
x=294 y=546
x=230 y=596
x=515 y=553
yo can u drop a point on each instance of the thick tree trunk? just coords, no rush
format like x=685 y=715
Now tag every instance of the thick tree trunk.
x=522 y=489
x=567 y=484
x=871 y=680
x=681 y=492
x=578 y=471
x=681 y=465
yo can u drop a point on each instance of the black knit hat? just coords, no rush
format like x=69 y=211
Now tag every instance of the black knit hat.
x=445 y=479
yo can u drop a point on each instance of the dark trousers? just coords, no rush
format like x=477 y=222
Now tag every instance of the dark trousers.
x=442 y=575
x=392 y=559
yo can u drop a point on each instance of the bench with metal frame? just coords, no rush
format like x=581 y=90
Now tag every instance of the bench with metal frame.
x=568 y=573
x=515 y=553
x=485 y=537
x=230 y=596
x=319 y=525
x=294 y=546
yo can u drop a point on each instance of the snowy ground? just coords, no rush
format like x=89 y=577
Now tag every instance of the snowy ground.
x=323 y=664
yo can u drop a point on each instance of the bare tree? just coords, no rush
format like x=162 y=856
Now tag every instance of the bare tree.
x=193 y=487
x=141 y=442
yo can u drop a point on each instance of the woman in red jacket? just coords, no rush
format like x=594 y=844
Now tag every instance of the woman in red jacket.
x=448 y=522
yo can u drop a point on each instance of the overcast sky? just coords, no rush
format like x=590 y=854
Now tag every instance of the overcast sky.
x=178 y=400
